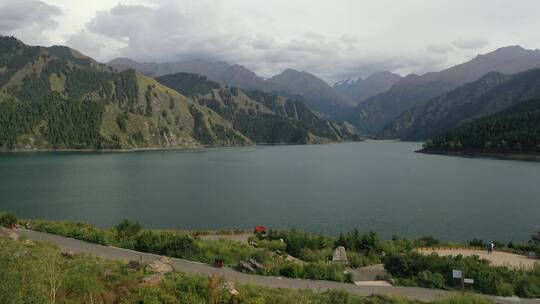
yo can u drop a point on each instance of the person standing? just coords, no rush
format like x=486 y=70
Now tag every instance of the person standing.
x=490 y=247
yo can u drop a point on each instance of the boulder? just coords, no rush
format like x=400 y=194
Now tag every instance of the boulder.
x=9 y=234
x=340 y=255
x=163 y=265
x=245 y=267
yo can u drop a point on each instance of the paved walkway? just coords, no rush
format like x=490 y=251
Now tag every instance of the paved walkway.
x=422 y=294
x=496 y=258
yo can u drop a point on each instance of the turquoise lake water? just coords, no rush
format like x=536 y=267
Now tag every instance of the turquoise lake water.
x=380 y=186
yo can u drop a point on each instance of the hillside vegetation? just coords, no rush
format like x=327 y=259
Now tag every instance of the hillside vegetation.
x=515 y=130
x=262 y=117
x=57 y=98
x=491 y=94
x=39 y=273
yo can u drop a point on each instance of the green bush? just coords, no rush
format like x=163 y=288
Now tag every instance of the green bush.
x=431 y=280
x=165 y=243
x=529 y=286
x=357 y=260
x=7 y=219
x=314 y=255
x=127 y=229
x=433 y=271
x=272 y=245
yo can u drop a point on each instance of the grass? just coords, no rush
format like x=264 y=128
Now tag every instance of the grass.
x=404 y=265
x=38 y=273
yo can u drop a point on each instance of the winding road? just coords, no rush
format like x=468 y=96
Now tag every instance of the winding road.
x=190 y=267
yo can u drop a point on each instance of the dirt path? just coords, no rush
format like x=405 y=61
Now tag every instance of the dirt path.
x=496 y=258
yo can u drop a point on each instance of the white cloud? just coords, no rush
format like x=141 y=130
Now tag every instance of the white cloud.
x=473 y=43
x=27 y=19
x=332 y=39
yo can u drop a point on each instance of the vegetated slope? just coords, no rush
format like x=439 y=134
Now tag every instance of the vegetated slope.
x=262 y=117
x=315 y=92
x=57 y=98
x=515 y=130
x=375 y=113
x=363 y=88
x=492 y=93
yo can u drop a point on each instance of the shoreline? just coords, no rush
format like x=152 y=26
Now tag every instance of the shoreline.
x=488 y=155
x=43 y=150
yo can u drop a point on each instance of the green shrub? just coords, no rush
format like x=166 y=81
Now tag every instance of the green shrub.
x=357 y=260
x=165 y=243
x=7 y=219
x=528 y=286
x=315 y=255
x=414 y=269
x=272 y=245
x=429 y=279
x=127 y=229
x=291 y=270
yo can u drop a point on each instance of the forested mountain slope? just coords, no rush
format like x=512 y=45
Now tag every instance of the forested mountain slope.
x=515 y=130
x=56 y=98
x=262 y=117
x=492 y=93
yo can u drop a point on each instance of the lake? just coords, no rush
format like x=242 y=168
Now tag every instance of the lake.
x=381 y=185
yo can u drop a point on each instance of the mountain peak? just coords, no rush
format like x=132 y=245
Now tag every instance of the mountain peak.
x=122 y=60
x=506 y=52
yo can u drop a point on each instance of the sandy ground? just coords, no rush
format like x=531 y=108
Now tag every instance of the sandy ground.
x=496 y=258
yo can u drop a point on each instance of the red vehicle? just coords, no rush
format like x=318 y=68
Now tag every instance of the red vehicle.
x=260 y=229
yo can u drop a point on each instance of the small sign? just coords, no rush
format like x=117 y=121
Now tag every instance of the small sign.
x=457 y=274
x=468 y=281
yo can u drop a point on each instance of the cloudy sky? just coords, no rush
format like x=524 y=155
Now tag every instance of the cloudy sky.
x=333 y=39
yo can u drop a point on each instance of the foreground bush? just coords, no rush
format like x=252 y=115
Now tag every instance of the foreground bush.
x=433 y=271
x=7 y=219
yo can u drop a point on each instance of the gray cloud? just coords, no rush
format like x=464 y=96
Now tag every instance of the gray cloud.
x=27 y=19
x=167 y=32
x=470 y=44
x=439 y=48
x=269 y=38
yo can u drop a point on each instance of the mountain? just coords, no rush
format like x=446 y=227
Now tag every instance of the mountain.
x=363 y=88
x=316 y=92
x=57 y=98
x=313 y=91
x=490 y=94
x=262 y=117
x=375 y=113
x=514 y=130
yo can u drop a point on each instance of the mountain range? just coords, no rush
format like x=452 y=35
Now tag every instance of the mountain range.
x=57 y=98
x=490 y=94
x=358 y=90
x=312 y=90
x=372 y=115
